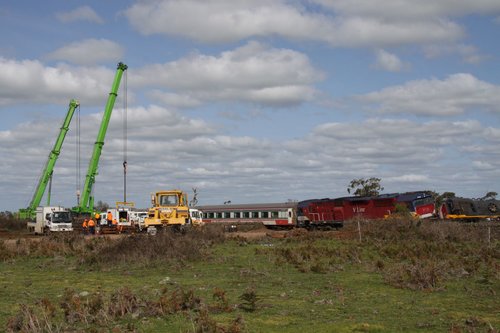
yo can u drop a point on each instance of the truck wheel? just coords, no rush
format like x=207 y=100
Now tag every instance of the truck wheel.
x=151 y=230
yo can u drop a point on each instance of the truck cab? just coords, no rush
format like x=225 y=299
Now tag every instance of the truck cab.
x=137 y=219
x=196 y=216
x=51 y=219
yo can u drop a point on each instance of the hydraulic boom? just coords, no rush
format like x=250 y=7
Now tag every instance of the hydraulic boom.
x=86 y=205
x=30 y=212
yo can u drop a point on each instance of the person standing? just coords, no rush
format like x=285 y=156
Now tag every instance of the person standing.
x=109 y=218
x=85 y=226
x=115 y=225
x=91 y=225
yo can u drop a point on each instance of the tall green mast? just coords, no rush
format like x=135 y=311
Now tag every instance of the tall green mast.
x=30 y=212
x=87 y=201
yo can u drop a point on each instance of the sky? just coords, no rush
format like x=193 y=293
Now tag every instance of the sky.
x=251 y=101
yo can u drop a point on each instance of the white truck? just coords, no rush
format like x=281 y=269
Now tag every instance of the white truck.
x=196 y=216
x=51 y=219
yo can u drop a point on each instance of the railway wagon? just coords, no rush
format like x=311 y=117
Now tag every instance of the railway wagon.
x=466 y=209
x=269 y=214
x=331 y=213
x=319 y=213
x=366 y=207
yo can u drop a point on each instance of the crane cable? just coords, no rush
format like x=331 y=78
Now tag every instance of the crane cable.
x=125 y=138
x=78 y=154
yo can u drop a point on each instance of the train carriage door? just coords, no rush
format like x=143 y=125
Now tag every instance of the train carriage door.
x=291 y=216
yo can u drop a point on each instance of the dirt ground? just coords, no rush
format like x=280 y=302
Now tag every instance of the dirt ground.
x=10 y=238
x=263 y=233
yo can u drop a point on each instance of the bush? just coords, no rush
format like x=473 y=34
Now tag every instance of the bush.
x=98 y=311
x=148 y=249
x=145 y=249
x=9 y=223
x=409 y=253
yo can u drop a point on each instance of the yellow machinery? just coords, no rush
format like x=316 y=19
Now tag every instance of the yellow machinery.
x=169 y=208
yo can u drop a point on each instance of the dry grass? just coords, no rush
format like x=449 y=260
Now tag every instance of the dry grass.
x=409 y=253
x=102 y=250
x=99 y=312
x=8 y=222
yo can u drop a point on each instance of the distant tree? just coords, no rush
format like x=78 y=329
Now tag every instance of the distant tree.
x=6 y=214
x=101 y=206
x=365 y=187
x=439 y=198
x=490 y=195
x=447 y=195
x=194 y=201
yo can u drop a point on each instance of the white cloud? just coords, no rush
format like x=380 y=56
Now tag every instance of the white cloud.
x=174 y=100
x=252 y=73
x=454 y=95
x=483 y=165
x=30 y=81
x=389 y=61
x=167 y=149
x=409 y=178
x=469 y=53
x=89 y=52
x=83 y=13
x=408 y=9
x=350 y=26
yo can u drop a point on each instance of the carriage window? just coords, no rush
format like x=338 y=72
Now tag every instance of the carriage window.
x=265 y=215
x=210 y=215
x=226 y=215
x=246 y=215
x=274 y=214
x=237 y=215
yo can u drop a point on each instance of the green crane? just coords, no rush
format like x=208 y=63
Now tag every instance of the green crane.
x=30 y=212
x=86 y=205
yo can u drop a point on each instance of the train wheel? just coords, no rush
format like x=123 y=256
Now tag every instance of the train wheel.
x=492 y=207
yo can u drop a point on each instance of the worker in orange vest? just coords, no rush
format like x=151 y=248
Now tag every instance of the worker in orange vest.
x=84 y=226
x=109 y=218
x=91 y=225
x=115 y=225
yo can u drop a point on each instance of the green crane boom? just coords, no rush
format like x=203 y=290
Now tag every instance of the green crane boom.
x=86 y=205
x=30 y=212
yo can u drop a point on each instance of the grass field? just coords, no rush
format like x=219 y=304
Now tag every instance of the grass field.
x=402 y=276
